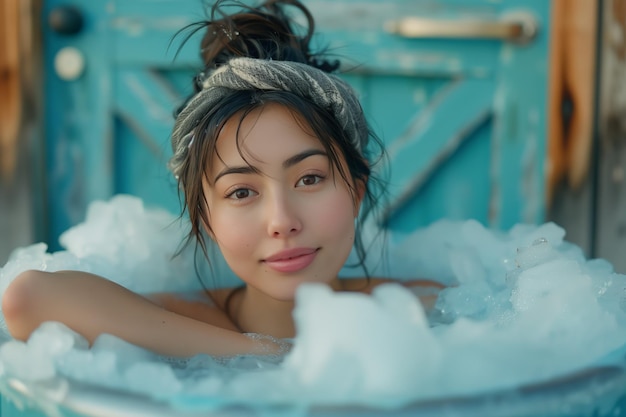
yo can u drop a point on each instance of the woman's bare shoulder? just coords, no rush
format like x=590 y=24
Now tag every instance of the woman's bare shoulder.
x=426 y=290
x=204 y=305
x=367 y=285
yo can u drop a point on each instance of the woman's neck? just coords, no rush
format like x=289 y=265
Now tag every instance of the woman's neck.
x=255 y=312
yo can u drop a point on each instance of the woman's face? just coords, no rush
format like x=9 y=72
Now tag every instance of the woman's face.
x=283 y=217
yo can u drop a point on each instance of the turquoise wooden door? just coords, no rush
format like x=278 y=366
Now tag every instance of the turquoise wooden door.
x=461 y=109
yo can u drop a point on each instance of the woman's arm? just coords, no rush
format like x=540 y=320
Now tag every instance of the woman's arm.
x=426 y=290
x=91 y=306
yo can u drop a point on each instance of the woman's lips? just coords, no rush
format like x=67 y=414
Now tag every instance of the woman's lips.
x=291 y=260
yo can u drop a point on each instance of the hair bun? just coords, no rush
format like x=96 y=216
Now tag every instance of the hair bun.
x=263 y=32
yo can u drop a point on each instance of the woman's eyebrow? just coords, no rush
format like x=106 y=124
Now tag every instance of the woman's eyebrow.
x=247 y=169
x=291 y=161
x=302 y=156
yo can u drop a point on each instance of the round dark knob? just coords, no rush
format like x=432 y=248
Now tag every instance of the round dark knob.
x=66 y=20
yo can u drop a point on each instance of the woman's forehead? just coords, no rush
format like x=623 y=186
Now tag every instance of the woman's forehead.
x=266 y=135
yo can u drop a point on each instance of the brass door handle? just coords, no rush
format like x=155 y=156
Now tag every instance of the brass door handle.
x=519 y=28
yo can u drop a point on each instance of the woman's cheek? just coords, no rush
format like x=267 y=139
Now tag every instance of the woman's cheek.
x=337 y=216
x=232 y=230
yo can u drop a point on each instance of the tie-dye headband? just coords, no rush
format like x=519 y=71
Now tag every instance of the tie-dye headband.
x=326 y=90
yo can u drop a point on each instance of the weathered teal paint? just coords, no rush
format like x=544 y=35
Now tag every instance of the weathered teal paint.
x=106 y=132
x=433 y=137
x=77 y=127
x=142 y=149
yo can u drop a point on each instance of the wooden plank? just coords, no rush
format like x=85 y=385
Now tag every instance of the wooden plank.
x=78 y=123
x=434 y=136
x=610 y=216
x=10 y=86
x=519 y=135
x=144 y=102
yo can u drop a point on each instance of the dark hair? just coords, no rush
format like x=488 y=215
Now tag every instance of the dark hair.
x=266 y=32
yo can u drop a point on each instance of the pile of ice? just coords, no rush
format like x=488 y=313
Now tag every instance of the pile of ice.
x=523 y=306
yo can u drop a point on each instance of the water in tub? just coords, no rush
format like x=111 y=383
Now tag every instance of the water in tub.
x=522 y=306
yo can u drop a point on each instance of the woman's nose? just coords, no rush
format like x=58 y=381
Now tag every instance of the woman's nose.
x=283 y=217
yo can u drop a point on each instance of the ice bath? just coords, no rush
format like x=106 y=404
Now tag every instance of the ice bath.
x=527 y=323
x=283 y=286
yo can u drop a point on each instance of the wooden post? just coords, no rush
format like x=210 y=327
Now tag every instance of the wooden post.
x=572 y=76
x=10 y=86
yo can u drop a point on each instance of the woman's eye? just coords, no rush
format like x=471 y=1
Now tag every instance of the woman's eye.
x=240 y=194
x=309 y=180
